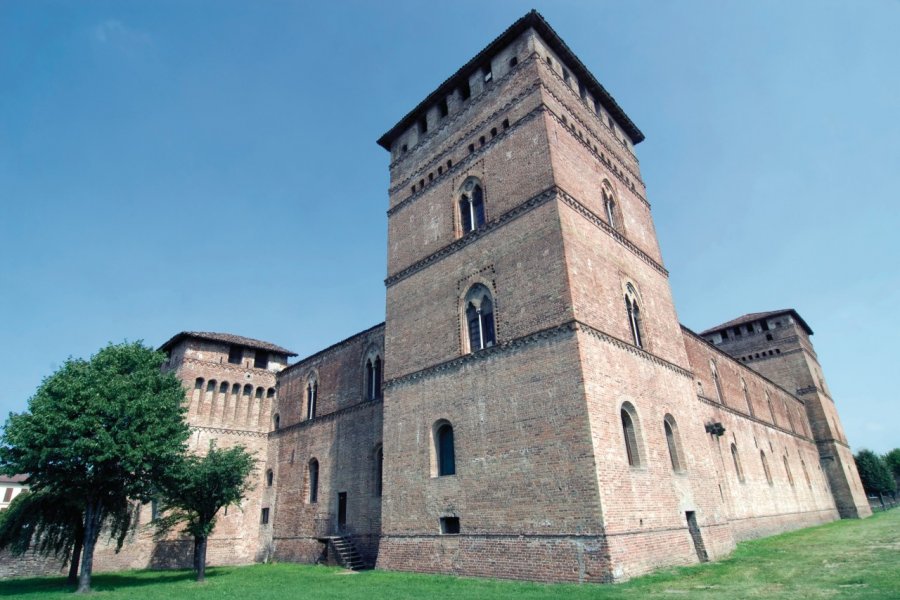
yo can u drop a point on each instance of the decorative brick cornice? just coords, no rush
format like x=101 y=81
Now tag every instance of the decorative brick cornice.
x=515 y=212
x=330 y=350
x=609 y=339
x=629 y=185
x=470 y=237
x=596 y=220
x=501 y=348
x=447 y=122
x=525 y=340
x=597 y=118
x=226 y=366
x=472 y=156
x=327 y=418
x=734 y=361
x=753 y=418
x=226 y=431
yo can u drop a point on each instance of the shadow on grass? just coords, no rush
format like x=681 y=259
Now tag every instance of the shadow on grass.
x=102 y=582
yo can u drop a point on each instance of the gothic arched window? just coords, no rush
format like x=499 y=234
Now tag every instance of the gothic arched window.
x=765 y=465
x=631 y=432
x=312 y=393
x=313 y=496
x=373 y=377
x=737 y=463
x=715 y=376
x=471 y=206
x=671 y=431
x=445 y=453
x=633 y=309
x=479 y=311
x=610 y=208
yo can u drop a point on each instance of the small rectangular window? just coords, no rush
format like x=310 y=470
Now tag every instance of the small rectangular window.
x=262 y=360
x=450 y=525
x=765 y=325
x=443 y=109
x=7 y=495
x=465 y=92
x=488 y=74
x=423 y=125
x=264 y=516
x=235 y=354
x=582 y=91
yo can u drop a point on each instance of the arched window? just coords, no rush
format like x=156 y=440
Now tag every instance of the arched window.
x=747 y=396
x=471 y=205
x=788 y=413
x=631 y=432
x=480 y=318
x=379 y=469
x=634 y=315
x=313 y=481
x=787 y=469
x=610 y=208
x=445 y=453
x=223 y=389
x=765 y=465
x=715 y=376
x=737 y=463
x=671 y=430
x=312 y=392
x=270 y=478
x=373 y=377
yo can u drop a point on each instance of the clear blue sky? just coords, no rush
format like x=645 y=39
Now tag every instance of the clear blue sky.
x=169 y=166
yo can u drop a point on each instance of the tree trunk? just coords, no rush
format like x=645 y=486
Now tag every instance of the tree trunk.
x=75 y=560
x=201 y=558
x=196 y=563
x=92 y=520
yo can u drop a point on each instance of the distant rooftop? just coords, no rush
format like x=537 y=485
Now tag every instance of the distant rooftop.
x=750 y=317
x=539 y=23
x=227 y=338
x=13 y=478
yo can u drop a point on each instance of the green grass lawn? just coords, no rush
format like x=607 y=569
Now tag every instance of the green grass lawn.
x=845 y=559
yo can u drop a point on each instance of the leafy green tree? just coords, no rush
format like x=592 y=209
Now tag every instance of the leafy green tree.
x=102 y=432
x=873 y=471
x=49 y=525
x=892 y=459
x=43 y=523
x=198 y=487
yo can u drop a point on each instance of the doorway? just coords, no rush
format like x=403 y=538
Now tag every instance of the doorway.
x=342 y=510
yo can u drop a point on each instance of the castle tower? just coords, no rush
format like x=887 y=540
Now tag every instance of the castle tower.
x=535 y=367
x=777 y=344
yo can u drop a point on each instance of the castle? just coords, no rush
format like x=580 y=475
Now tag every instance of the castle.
x=531 y=407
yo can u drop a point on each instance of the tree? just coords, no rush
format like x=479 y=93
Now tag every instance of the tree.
x=47 y=525
x=892 y=459
x=51 y=525
x=198 y=487
x=873 y=471
x=102 y=433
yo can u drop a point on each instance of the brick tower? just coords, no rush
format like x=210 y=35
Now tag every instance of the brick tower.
x=529 y=323
x=777 y=345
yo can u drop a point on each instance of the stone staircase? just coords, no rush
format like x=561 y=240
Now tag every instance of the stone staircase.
x=347 y=554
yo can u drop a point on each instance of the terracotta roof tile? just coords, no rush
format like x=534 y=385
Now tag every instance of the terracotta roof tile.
x=227 y=338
